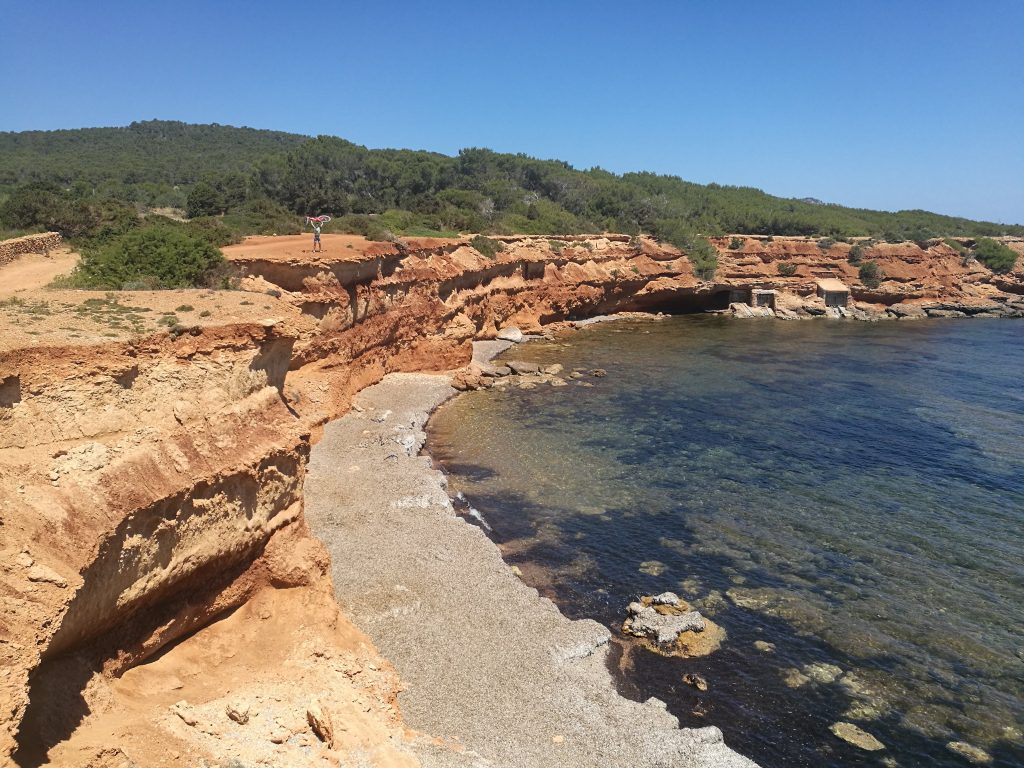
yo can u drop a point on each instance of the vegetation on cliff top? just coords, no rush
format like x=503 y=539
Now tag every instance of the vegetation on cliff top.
x=147 y=258
x=213 y=170
x=96 y=185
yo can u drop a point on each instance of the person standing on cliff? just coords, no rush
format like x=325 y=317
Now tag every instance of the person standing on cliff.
x=317 y=247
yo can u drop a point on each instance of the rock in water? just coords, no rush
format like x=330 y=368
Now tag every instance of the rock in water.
x=695 y=681
x=520 y=368
x=662 y=628
x=665 y=598
x=850 y=733
x=552 y=370
x=511 y=333
x=971 y=753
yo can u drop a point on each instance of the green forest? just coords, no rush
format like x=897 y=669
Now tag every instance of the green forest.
x=96 y=184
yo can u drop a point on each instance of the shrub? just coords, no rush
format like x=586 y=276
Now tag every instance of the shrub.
x=995 y=255
x=736 y=243
x=870 y=274
x=787 y=268
x=163 y=257
x=826 y=243
x=487 y=247
x=703 y=257
x=204 y=200
x=856 y=254
x=955 y=245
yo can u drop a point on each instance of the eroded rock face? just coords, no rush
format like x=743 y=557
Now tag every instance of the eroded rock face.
x=151 y=482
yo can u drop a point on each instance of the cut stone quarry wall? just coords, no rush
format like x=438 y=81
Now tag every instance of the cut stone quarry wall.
x=18 y=246
x=150 y=485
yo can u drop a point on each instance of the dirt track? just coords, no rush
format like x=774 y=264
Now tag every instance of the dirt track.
x=34 y=271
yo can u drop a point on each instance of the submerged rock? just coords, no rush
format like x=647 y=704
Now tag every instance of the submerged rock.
x=764 y=647
x=520 y=367
x=851 y=734
x=652 y=567
x=794 y=678
x=823 y=673
x=695 y=681
x=973 y=754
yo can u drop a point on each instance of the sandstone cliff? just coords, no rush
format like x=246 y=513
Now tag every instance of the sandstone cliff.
x=152 y=452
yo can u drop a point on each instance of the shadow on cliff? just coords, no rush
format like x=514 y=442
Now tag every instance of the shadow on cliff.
x=58 y=695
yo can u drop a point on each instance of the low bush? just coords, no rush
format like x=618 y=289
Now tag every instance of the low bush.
x=736 y=243
x=870 y=274
x=994 y=255
x=703 y=257
x=856 y=254
x=787 y=268
x=155 y=256
x=487 y=247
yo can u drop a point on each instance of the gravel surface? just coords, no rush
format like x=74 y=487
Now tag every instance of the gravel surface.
x=490 y=667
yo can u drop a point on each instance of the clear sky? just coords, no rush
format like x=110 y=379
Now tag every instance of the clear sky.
x=878 y=103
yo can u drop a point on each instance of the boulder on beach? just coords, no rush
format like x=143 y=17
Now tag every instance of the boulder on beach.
x=511 y=333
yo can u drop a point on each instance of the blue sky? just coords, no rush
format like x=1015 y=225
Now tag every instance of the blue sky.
x=912 y=104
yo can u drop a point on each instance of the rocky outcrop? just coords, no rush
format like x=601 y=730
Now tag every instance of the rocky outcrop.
x=153 y=481
x=911 y=272
x=151 y=473
x=19 y=246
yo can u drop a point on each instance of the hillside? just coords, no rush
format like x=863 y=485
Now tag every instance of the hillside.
x=211 y=170
x=143 y=160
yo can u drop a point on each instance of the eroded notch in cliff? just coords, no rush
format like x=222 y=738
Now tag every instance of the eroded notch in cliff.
x=10 y=391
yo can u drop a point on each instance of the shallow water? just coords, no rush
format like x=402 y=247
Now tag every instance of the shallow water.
x=851 y=493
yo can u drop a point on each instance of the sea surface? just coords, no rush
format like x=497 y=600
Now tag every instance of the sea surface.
x=850 y=494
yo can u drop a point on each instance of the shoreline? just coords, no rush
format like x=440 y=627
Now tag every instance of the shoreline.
x=489 y=666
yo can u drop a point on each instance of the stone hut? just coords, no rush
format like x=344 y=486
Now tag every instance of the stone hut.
x=834 y=292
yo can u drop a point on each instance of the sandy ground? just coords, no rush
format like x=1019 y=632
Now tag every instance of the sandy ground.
x=335 y=247
x=34 y=270
x=487 y=663
x=175 y=709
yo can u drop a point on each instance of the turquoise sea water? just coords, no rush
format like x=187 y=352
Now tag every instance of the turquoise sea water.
x=852 y=494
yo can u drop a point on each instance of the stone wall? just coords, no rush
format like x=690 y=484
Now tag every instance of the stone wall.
x=44 y=243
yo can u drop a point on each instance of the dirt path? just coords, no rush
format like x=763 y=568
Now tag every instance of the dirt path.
x=34 y=270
